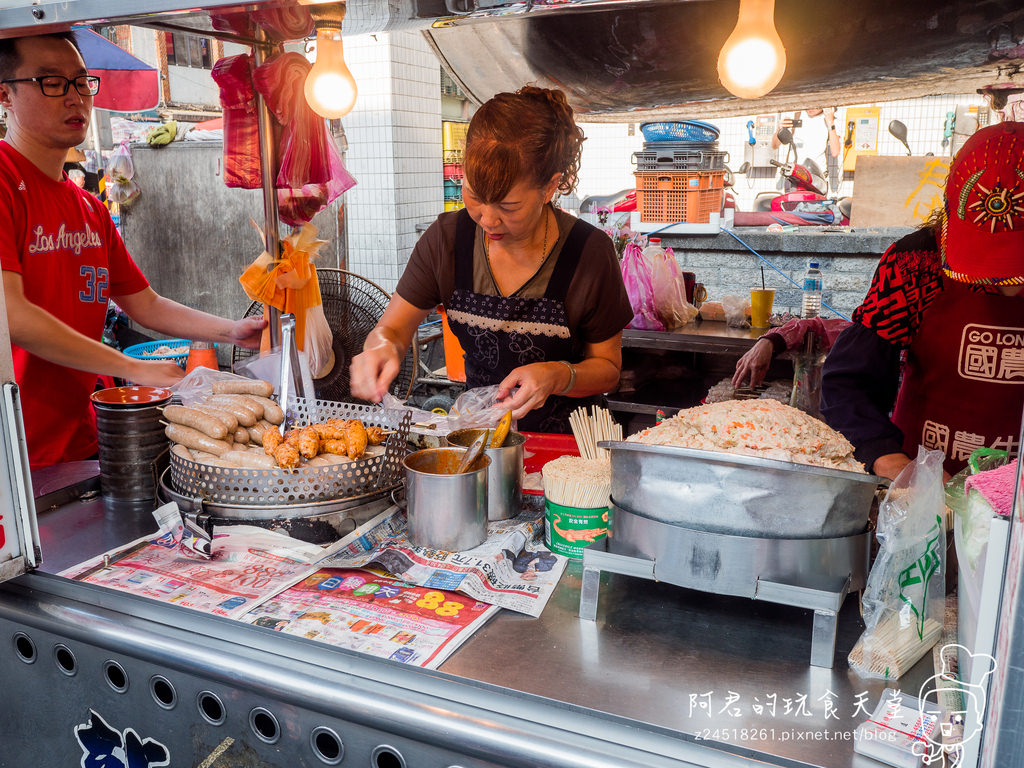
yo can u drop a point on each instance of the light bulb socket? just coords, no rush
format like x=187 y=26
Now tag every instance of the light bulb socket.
x=332 y=24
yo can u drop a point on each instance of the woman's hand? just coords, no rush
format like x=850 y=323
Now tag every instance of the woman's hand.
x=373 y=370
x=535 y=382
x=376 y=367
x=753 y=365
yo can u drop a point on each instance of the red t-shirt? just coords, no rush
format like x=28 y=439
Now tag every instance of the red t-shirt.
x=63 y=242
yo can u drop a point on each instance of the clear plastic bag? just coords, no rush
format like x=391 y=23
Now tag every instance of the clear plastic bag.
x=119 y=176
x=478 y=407
x=670 y=291
x=737 y=311
x=197 y=384
x=636 y=274
x=904 y=601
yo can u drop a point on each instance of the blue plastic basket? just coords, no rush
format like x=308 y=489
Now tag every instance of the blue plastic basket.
x=679 y=130
x=147 y=350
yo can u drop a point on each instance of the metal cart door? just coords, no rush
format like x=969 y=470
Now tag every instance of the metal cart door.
x=19 y=536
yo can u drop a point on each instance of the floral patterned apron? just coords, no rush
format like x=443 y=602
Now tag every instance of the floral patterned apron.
x=500 y=333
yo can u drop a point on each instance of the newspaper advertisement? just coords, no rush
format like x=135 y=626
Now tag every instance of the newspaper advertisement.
x=246 y=566
x=374 y=614
x=510 y=569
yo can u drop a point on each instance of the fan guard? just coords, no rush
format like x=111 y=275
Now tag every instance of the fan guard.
x=353 y=305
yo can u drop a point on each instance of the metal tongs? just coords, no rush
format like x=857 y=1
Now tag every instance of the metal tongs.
x=289 y=366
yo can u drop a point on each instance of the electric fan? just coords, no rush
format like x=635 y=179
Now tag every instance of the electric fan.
x=352 y=305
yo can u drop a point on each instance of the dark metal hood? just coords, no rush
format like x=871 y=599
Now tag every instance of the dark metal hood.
x=641 y=59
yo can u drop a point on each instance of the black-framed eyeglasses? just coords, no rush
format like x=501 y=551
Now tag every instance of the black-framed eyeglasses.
x=57 y=85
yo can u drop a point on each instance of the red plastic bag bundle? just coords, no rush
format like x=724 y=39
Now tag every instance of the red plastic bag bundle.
x=233 y=74
x=280 y=24
x=312 y=173
x=639 y=280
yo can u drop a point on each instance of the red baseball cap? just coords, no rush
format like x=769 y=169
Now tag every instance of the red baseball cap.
x=982 y=237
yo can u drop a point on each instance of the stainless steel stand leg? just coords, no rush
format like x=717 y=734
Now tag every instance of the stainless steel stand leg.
x=588 y=593
x=823 y=639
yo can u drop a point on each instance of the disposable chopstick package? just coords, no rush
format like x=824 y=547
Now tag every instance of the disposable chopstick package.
x=899 y=731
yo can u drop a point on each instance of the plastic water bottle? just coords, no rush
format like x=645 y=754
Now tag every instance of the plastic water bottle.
x=811 y=306
x=653 y=249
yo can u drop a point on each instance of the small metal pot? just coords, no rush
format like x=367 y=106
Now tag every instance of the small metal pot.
x=504 y=478
x=446 y=511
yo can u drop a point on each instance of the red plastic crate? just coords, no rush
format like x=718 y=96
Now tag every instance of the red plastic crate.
x=679 y=196
x=542 y=447
x=453 y=171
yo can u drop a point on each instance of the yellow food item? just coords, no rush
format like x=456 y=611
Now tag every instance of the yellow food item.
x=501 y=431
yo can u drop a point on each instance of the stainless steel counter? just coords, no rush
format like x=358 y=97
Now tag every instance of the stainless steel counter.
x=699 y=336
x=665 y=676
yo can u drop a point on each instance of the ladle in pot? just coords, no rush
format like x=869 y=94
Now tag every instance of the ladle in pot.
x=474 y=452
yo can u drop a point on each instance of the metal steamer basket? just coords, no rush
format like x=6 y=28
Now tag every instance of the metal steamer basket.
x=238 y=492
x=736 y=525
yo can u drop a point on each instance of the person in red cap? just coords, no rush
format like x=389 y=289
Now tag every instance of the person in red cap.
x=938 y=342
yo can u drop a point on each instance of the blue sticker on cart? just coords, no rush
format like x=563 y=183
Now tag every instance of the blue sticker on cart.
x=106 y=747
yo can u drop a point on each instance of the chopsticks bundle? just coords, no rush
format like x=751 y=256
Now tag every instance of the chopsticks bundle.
x=889 y=651
x=573 y=481
x=591 y=428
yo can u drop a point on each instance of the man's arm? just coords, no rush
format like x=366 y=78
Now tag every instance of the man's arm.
x=40 y=333
x=160 y=314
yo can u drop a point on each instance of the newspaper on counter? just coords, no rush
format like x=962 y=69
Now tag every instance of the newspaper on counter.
x=374 y=614
x=246 y=566
x=510 y=569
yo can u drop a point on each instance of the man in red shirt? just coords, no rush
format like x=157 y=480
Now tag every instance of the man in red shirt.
x=62 y=258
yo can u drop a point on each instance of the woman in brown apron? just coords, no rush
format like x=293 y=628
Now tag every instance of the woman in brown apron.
x=534 y=295
x=945 y=311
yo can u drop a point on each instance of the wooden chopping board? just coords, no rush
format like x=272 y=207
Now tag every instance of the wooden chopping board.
x=897 y=191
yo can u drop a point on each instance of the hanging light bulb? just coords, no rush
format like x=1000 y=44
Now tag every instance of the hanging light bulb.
x=753 y=59
x=330 y=88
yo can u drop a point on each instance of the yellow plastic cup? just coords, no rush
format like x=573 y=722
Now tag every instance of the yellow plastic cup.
x=761 y=300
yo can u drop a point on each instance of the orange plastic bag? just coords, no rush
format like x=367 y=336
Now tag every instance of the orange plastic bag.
x=290 y=284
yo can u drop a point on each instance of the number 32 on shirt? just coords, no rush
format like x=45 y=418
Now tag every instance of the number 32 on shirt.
x=96 y=280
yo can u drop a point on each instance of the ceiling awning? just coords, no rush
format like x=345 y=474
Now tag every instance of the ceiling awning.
x=128 y=84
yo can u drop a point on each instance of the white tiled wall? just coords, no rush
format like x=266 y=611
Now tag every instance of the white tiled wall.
x=394 y=139
x=607 y=167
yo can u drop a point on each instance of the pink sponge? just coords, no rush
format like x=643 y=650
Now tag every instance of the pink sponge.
x=996 y=486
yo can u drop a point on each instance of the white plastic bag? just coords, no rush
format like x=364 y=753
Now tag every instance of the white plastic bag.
x=737 y=311
x=319 y=345
x=119 y=175
x=904 y=601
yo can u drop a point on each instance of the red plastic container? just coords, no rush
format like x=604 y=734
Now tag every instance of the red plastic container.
x=542 y=447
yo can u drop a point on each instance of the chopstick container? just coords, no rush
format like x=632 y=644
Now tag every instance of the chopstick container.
x=505 y=474
x=445 y=511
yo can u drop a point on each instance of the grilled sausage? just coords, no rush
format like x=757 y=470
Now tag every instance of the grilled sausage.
x=246 y=416
x=243 y=387
x=250 y=460
x=227 y=419
x=196 y=440
x=198 y=420
x=272 y=412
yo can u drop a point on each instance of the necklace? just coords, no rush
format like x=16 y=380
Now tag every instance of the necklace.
x=544 y=248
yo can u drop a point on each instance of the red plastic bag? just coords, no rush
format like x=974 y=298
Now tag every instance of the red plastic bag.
x=233 y=74
x=637 y=275
x=312 y=173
